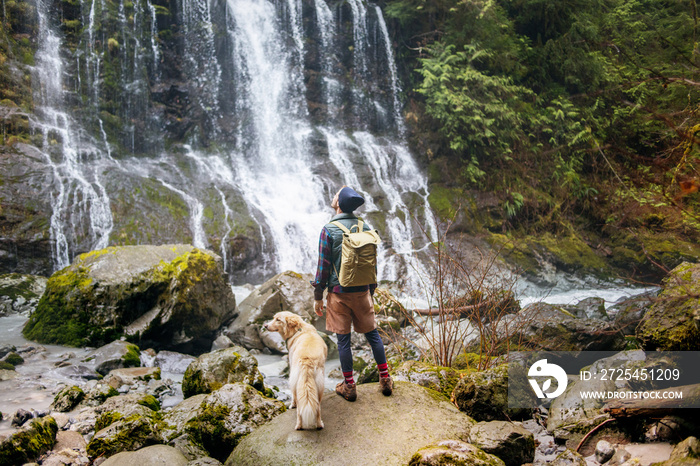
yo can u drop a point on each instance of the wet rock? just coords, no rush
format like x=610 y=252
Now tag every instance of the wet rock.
x=484 y=396
x=453 y=452
x=229 y=414
x=172 y=362
x=589 y=308
x=569 y=458
x=28 y=443
x=77 y=371
x=20 y=417
x=5 y=349
x=221 y=342
x=168 y=297
x=604 y=451
x=96 y=392
x=440 y=379
x=375 y=428
x=211 y=371
x=67 y=399
x=673 y=321
x=155 y=455
x=273 y=341
x=288 y=291
x=132 y=375
x=552 y=327
x=115 y=355
x=69 y=439
x=510 y=442
x=630 y=312
x=6 y=374
x=19 y=294
x=125 y=423
x=620 y=457
x=686 y=452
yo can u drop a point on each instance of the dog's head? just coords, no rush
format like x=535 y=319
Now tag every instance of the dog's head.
x=286 y=323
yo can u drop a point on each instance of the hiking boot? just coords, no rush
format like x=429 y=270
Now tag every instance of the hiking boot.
x=386 y=385
x=347 y=391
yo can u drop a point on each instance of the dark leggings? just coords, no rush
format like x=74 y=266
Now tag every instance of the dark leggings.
x=345 y=349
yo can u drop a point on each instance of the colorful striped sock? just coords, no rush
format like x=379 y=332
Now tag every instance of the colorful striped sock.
x=383 y=370
x=348 y=378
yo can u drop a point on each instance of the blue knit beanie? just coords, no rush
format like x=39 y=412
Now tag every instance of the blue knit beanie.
x=349 y=200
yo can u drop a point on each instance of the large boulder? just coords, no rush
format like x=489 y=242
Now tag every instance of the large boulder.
x=213 y=370
x=19 y=294
x=215 y=423
x=172 y=297
x=380 y=430
x=483 y=395
x=453 y=452
x=287 y=291
x=673 y=322
x=511 y=442
x=555 y=328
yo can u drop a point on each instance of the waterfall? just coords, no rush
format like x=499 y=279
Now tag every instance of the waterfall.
x=274 y=112
x=81 y=200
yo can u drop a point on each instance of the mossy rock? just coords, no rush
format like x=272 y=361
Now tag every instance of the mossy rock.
x=673 y=321
x=172 y=296
x=28 y=444
x=126 y=423
x=67 y=399
x=378 y=429
x=213 y=370
x=454 y=452
x=437 y=378
x=125 y=434
x=483 y=395
x=14 y=359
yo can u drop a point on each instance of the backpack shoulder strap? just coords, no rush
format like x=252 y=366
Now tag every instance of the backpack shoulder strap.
x=341 y=226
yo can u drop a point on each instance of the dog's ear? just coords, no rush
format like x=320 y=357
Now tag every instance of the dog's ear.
x=294 y=323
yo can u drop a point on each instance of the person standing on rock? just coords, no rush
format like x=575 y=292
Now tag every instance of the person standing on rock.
x=348 y=307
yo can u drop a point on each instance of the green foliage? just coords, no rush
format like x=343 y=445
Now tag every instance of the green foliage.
x=575 y=114
x=478 y=113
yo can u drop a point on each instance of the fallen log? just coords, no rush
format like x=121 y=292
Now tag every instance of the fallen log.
x=462 y=310
x=661 y=406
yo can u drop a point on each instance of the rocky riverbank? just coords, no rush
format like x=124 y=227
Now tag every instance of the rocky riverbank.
x=120 y=403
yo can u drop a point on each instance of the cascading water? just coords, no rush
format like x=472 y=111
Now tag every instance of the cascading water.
x=81 y=200
x=296 y=107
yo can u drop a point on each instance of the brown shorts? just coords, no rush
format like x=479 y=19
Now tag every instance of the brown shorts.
x=350 y=308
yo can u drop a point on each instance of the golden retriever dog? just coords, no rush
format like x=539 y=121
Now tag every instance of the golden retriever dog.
x=307 y=359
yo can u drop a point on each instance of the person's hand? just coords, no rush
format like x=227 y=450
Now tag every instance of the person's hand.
x=318 y=307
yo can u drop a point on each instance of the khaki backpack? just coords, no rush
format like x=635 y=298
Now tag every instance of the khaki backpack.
x=358 y=264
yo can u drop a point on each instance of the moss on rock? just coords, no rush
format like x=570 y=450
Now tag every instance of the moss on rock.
x=673 y=321
x=28 y=444
x=168 y=295
x=67 y=399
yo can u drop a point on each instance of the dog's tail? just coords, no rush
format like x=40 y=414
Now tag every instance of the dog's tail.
x=308 y=399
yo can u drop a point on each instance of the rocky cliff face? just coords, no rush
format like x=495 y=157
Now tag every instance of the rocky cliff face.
x=226 y=125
